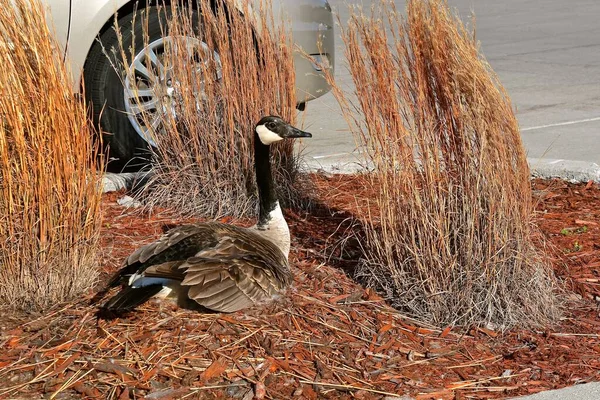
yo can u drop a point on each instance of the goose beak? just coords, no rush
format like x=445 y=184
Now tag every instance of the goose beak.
x=292 y=132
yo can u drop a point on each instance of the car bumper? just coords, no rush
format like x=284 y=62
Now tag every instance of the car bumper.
x=312 y=30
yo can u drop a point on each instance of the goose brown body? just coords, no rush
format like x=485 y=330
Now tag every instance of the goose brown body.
x=222 y=267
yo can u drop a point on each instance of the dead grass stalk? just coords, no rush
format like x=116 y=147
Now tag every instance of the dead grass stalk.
x=453 y=243
x=49 y=187
x=226 y=71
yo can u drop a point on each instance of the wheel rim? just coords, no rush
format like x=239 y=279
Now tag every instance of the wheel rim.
x=151 y=89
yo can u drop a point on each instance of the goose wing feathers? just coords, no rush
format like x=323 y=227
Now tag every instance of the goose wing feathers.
x=225 y=268
x=176 y=245
x=180 y=242
x=228 y=277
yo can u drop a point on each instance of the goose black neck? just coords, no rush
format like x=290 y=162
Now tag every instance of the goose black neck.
x=264 y=180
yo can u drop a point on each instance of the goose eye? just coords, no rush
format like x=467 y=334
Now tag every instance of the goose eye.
x=272 y=126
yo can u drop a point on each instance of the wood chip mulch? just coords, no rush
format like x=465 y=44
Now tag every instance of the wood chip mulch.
x=328 y=338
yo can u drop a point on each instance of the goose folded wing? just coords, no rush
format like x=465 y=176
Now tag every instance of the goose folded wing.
x=179 y=242
x=228 y=278
x=228 y=285
x=168 y=270
x=176 y=245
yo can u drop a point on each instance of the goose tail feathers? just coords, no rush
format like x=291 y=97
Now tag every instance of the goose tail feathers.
x=129 y=298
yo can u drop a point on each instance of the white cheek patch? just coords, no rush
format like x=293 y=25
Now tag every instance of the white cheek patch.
x=266 y=135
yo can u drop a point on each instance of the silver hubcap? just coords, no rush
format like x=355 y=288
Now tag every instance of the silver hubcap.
x=152 y=91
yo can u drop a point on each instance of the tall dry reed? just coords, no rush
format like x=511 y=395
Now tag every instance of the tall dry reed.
x=202 y=160
x=49 y=188
x=452 y=243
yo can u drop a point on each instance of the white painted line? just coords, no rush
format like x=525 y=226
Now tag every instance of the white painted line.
x=580 y=121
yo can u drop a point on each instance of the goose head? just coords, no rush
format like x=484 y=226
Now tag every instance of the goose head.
x=272 y=129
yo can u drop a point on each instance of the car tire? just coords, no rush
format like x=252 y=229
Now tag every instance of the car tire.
x=104 y=87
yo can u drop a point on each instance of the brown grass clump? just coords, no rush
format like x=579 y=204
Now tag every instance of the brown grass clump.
x=49 y=187
x=453 y=244
x=203 y=156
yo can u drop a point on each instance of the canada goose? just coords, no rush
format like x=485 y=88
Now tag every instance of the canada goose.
x=222 y=267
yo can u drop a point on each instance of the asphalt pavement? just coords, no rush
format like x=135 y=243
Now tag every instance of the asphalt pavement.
x=547 y=55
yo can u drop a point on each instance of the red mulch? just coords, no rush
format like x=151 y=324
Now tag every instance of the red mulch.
x=328 y=338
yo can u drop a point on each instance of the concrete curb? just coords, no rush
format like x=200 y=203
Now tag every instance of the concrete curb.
x=349 y=163
x=569 y=170
x=572 y=171
x=112 y=182
x=587 y=391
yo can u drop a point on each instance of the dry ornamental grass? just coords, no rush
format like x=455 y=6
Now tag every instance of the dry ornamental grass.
x=49 y=187
x=237 y=71
x=454 y=240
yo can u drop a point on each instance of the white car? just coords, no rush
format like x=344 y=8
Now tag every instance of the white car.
x=79 y=23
